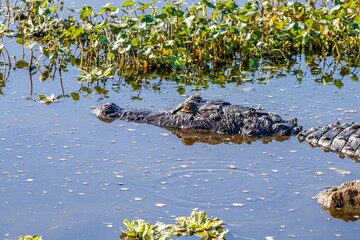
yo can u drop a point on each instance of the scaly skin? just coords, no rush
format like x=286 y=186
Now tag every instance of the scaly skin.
x=342 y=138
x=199 y=114
x=197 y=119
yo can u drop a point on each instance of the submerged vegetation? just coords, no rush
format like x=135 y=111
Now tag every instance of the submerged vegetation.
x=207 y=42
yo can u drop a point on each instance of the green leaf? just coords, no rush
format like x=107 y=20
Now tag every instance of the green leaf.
x=21 y=64
x=305 y=38
x=30 y=44
x=147 y=19
x=355 y=78
x=46 y=99
x=29 y=237
x=129 y=3
x=162 y=16
x=75 y=96
x=44 y=75
x=338 y=83
x=179 y=2
x=85 y=12
x=181 y=90
x=206 y=55
x=135 y=42
x=345 y=70
x=21 y=41
x=207 y=3
x=179 y=13
x=86 y=89
x=357 y=19
x=254 y=63
x=354 y=26
x=103 y=39
x=108 y=7
x=101 y=90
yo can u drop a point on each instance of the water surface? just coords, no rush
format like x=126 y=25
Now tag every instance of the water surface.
x=64 y=174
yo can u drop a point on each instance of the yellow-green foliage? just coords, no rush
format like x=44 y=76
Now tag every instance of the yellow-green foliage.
x=210 y=41
x=197 y=224
x=143 y=36
x=29 y=237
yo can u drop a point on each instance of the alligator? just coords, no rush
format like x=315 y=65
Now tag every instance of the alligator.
x=341 y=138
x=215 y=121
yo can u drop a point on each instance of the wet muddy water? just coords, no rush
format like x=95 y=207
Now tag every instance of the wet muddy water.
x=66 y=174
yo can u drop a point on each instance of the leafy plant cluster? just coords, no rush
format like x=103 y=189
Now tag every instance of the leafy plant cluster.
x=142 y=36
x=213 y=41
x=197 y=224
x=30 y=237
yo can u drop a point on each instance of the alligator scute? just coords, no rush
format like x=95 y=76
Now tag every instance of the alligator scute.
x=341 y=138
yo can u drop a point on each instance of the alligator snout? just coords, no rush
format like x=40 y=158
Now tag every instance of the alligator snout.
x=107 y=112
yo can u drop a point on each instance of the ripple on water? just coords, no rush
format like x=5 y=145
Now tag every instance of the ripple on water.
x=300 y=168
x=189 y=184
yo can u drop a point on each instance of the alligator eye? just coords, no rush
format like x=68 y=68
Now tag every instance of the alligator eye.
x=186 y=108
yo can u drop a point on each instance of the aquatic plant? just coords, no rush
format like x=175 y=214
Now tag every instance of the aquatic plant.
x=207 y=42
x=30 y=237
x=197 y=224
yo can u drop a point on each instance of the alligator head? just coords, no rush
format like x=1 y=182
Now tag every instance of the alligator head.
x=196 y=113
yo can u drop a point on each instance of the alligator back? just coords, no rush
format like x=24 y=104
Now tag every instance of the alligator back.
x=342 y=138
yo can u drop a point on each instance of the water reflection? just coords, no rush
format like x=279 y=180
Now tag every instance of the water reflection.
x=324 y=71
x=344 y=215
x=342 y=201
x=190 y=137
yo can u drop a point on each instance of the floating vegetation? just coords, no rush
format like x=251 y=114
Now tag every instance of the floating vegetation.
x=197 y=224
x=46 y=99
x=30 y=237
x=207 y=42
